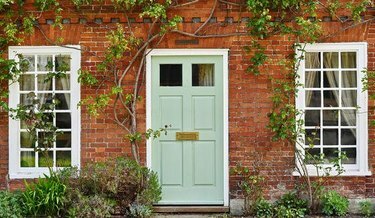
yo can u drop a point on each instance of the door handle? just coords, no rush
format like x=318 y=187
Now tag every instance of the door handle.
x=187 y=136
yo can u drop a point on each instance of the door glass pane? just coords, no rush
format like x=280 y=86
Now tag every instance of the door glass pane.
x=330 y=98
x=348 y=137
x=63 y=83
x=312 y=79
x=351 y=154
x=203 y=75
x=170 y=74
x=27 y=82
x=331 y=79
x=44 y=63
x=312 y=98
x=27 y=159
x=27 y=63
x=63 y=121
x=62 y=63
x=330 y=137
x=349 y=79
x=312 y=60
x=330 y=60
x=348 y=60
x=44 y=83
x=330 y=117
x=63 y=140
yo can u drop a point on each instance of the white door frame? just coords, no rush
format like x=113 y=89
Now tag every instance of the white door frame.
x=192 y=52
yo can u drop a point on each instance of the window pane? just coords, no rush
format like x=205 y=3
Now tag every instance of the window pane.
x=26 y=99
x=45 y=159
x=312 y=137
x=330 y=137
x=63 y=101
x=312 y=118
x=45 y=139
x=330 y=60
x=349 y=98
x=63 y=121
x=312 y=79
x=63 y=83
x=348 y=118
x=44 y=63
x=330 y=98
x=27 y=140
x=203 y=75
x=349 y=79
x=44 y=83
x=313 y=98
x=312 y=60
x=170 y=74
x=27 y=63
x=27 y=82
x=62 y=63
x=63 y=159
x=312 y=155
x=27 y=159
x=348 y=137
x=351 y=154
x=46 y=100
x=63 y=140
x=330 y=154
x=348 y=60
x=330 y=118
x=331 y=79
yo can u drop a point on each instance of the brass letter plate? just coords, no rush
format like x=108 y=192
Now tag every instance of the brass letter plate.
x=187 y=136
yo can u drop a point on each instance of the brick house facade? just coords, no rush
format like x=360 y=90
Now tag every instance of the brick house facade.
x=248 y=95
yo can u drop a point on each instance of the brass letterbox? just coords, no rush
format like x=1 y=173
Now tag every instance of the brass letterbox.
x=188 y=136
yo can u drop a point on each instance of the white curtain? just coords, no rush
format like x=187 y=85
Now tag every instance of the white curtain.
x=206 y=75
x=311 y=61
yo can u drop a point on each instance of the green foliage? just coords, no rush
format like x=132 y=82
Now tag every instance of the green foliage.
x=334 y=204
x=251 y=185
x=263 y=209
x=46 y=197
x=86 y=78
x=291 y=206
x=11 y=204
x=89 y=206
x=366 y=208
x=358 y=8
x=121 y=181
x=141 y=211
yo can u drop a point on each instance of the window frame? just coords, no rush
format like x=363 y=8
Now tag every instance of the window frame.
x=15 y=169
x=361 y=167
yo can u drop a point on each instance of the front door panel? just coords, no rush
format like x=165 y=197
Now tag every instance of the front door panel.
x=187 y=93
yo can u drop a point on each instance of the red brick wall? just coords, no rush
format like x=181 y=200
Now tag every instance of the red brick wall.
x=249 y=100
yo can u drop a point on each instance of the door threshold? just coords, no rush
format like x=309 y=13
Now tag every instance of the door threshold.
x=191 y=209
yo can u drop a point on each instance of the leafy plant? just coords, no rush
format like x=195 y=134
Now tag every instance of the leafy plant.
x=46 y=197
x=139 y=210
x=290 y=205
x=11 y=204
x=263 y=209
x=334 y=204
x=366 y=208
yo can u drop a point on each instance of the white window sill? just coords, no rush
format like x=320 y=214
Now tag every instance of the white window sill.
x=346 y=173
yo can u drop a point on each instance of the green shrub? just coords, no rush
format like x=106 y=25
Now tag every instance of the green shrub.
x=366 y=208
x=139 y=210
x=89 y=206
x=122 y=181
x=290 y=205
x=11 y=204
x=46 y=197
x=334 y=204
x=263 y=208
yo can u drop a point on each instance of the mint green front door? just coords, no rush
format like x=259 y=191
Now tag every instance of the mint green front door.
x=187 y=93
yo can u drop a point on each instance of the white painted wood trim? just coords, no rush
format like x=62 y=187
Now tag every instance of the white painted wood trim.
x=15 y=171
x=193 y=52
